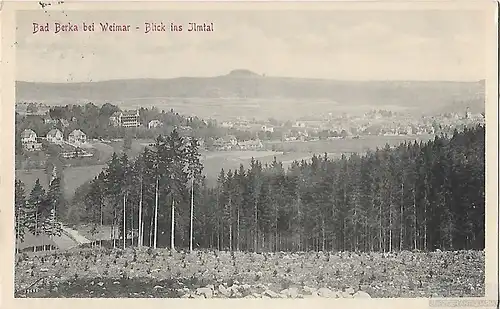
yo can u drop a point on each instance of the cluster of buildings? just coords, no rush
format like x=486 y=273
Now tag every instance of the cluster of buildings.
x=126 y=119
x=69 y=148
x=375 y=123
x=131 y=119
x=231 y=143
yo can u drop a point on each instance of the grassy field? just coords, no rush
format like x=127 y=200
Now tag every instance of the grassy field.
x=163 y=273
x=214 y=161
x=74 y=177
x=347 y=145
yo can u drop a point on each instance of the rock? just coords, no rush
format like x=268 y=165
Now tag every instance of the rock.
x=257 y=295
x=271 y=294
x=314 y=294
x=261 y=286
x=350 y=291
x=361 y=294
x=326 y=292
x=290 y=292
x=206 y=292
x=345 y=295
x=224 y=291
x=308 y=290
x=245 y=287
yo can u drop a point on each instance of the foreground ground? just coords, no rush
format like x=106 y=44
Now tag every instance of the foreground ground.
x=161 y=273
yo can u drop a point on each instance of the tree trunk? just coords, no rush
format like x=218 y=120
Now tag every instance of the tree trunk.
x=390 y=222
x=401 y=209
x=425 y=218
x=132 y=226
x=415 y=229
x=238 y=228
x=380 y=239
x=151 y=230
x=124 y=222
x=172 y=229
x=155 y=237
x=276 y=231
x=256 y=227
x=140 y=224
x=323 y=236
x=230 y=225
x=102 y=224
x=191 y=217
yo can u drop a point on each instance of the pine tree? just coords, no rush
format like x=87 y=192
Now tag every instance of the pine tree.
x=20 y=210
x=113 y=182
x=54 y=201
x=36 y=209
x=194 y=170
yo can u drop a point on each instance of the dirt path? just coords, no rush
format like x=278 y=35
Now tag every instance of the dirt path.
x=75 y=235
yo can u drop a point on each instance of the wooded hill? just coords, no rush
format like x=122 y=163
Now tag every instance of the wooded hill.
x=414 y=196
x=428 y=95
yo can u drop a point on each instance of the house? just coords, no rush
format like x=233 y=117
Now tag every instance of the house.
x=114 y=120
x=35 y=243
x=48 y=120
x=28 y=136
x=69 y=152
x=130 y=119
x=64 y=122
x=77 y=137
x=30 y=141
x=299 y=124
x=250 y=145
x=154 y=124
x=126 y=119
x=227 y=124
x=55 y=136
x=267 y=128
x=226 y=143
x=42 y=242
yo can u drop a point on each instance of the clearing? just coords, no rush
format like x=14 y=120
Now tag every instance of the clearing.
x=164 y=273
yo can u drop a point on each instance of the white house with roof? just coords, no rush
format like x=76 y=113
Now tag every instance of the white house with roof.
x=28 y=136
x=250 y=145
x=154 y=124
x=77 y=137
x=226 y=143
x=267 y=128
x=127 y=119
x=29 y=140
x=55 y=136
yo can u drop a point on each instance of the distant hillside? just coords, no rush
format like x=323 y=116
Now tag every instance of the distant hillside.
x=246 y=84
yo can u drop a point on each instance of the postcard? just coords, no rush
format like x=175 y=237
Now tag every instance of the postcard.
x=270 y=153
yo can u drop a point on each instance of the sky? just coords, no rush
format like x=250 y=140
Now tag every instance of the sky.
x=344 y=45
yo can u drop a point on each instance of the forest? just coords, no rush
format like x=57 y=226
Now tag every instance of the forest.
x=416 y=196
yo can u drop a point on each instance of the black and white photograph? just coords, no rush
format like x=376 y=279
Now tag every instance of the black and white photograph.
x=263 y=153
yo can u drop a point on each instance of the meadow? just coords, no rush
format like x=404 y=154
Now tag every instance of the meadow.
x=213 y=161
